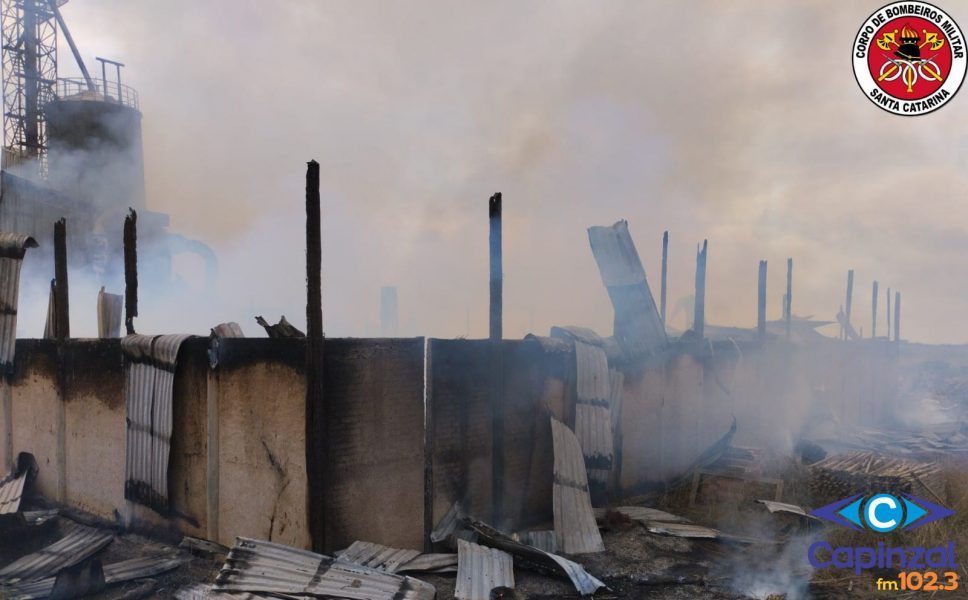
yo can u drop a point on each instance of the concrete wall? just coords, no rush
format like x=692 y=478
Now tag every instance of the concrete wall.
x=401 y=453
x=260 y=471
x=374 y=397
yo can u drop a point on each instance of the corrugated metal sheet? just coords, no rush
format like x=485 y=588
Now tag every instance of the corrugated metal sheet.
x=201 y=591
x=616 y=383
x=11 y=490
x=12 y=249
x=584 y=582
x=783 y=507
x=638 y=327
x=257 y=566
x=446 y=526
x=77 y=545
x=51 y=313
x=650 y=515
x=593 y=415
x=480 y=570
x=109 y=314
x=119 y=572
x=376 y=556
x=431 y=563
x=573 y=332
x=684 y=530
x=575 y=527
x=542 y=540
x=228 y=329
x=149 y=379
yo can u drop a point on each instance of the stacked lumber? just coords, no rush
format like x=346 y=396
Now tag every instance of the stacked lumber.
x=844 y=475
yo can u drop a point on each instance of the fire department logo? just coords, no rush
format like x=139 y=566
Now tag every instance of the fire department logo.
x=909 y=58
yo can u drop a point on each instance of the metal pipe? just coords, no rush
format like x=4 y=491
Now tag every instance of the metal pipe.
x=70 y=42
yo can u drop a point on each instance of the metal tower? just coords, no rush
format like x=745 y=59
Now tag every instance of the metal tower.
x=29 y=46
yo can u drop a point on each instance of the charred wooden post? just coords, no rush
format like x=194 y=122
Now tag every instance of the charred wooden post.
x=889 y=314
x=497 y=275
x=130 y=270
x=665 y=272
x=850 y=295
x=62 y=318
x=761 y=303
x=874 y=312
x=788 y=299
x=496 y=376
x=897 y=316
x=316 y=433
x=699 y=316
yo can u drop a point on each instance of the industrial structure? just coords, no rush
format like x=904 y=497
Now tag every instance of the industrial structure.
x=72 y=148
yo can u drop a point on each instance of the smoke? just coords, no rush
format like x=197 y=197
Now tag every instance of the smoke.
x=740 y=123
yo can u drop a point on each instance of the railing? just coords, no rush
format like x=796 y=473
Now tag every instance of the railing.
x=104 y=91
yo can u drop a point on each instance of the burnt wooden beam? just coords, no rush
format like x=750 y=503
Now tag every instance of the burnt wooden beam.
x=665 y=272
x=497 y=274
x=62 y=315
x=699 y=315
x=496 y=366
x=850 y=295
x=316 y=432
x=897 y=316
x=761 y=303
x=130 y=270
x=874 y=311
x=888 y=314
x=788 y=299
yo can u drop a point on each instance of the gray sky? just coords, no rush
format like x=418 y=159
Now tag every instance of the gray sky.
x=739 y=121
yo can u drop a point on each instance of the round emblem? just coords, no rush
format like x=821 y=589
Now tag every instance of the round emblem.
x=909 y=58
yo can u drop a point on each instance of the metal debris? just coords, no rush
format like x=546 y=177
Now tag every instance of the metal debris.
x=205 y=592
x=149 y=380
x=542 y=540
x=119 y=572
x=638 y=327
x=575 y=527
x=684 y=530
x=783 y=507
x=71 y=549
x=593 y=414
x=431 y=563
x=13 y=246
x=230 y=329
x=395 y=560
x=12 y=486
x=481 y=569
x=642 y=514
x=446 y=526
x=109 y=314
x=584 y=582
x=376 y=556
x=265 y=567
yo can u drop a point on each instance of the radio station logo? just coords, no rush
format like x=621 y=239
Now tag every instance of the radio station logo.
x=909 y=58
x=882 y=513
x=919 y=568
